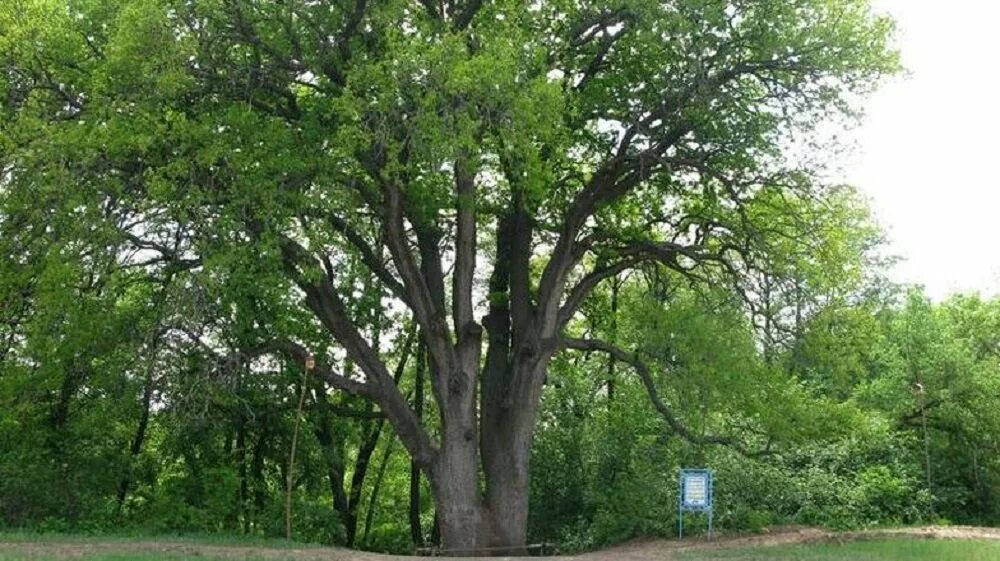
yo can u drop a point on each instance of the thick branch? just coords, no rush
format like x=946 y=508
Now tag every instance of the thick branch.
x=467 y=14
x=423 y=303
x=646 y=376
x=587 y=284
x=465 y=247
x=329 y=308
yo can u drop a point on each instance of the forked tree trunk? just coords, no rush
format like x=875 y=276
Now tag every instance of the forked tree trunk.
x=493 y=522
x=479 y=466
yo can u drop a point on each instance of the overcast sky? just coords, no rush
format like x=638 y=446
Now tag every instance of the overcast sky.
x=928 y=152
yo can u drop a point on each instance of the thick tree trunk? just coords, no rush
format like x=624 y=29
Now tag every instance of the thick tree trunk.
x=455 y=477
x=494 y=522
x=459 y=505
x=507 y=481
x=506 y=449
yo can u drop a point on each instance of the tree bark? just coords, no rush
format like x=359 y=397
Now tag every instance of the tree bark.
x=361 y=466
x=333 y=452
x=455 y=473
x=494 y=522
x=241 y=457
x=615 y=287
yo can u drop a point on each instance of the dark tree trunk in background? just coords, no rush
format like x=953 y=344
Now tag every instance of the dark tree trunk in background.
x=361 y=465
x=58 y=438
x=377 y=488
x=416 y=531
x=259 y=487
x=615 y=287
x=333 y=453
x=241 y=458
x=137 y=441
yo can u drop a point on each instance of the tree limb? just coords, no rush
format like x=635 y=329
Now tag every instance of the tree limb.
x=369 y=256
x=640 y=368
x=587 y=284
x=331 y=311
x=465 y=247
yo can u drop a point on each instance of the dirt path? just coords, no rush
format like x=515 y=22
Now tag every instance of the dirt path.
x=639 y=550
x=663 y=550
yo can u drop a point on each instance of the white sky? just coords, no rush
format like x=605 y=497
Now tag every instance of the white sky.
x=928 y=150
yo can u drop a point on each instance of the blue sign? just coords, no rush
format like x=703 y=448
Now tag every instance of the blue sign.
x=695 y=495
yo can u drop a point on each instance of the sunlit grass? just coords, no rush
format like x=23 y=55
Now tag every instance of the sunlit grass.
x=56 y=547
x=116 y=557
x=235 y=540
x=890 y=549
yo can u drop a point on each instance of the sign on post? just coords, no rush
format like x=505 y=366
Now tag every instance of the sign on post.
x=695 y=496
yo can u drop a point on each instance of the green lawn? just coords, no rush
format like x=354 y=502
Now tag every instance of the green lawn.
x=235 y=540
x=896 y=549
x=889 y=549
x=59 y=547
x=114 y=557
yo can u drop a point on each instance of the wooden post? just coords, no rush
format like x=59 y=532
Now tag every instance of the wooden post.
x=290 y=476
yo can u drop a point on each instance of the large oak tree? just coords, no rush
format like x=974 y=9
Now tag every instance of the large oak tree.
x=486 y=164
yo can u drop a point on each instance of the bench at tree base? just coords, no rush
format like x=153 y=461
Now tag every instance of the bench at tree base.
x=535 y=550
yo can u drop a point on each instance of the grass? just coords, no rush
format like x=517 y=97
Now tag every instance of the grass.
x=62 y=546
x=889 y=549
x=882 y=549
x=116 y=557
x=235 y=540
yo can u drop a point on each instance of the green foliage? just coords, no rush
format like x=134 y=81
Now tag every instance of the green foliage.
x=845 y=446
x=156 y=157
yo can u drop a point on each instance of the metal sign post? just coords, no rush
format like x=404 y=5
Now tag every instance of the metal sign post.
x=695 y=496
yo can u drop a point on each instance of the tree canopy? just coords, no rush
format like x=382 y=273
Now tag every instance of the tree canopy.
x=461 y=194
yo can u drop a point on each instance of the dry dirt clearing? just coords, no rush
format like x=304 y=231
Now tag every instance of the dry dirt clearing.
x=639 y=550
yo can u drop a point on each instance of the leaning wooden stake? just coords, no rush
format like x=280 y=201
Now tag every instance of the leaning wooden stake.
x=289 y=477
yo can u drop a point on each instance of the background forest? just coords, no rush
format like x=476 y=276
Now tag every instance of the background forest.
x=338 y=271
x=878 y=407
